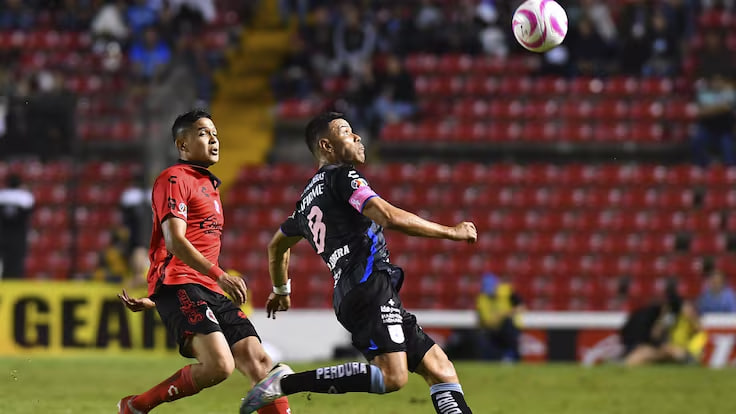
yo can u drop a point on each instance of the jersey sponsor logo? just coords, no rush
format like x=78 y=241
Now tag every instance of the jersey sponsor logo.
x=210 y=225
x=358 y=182
x=217 y=206
x=337 y=255
x=183 y=209
x=390 y=314
x=343 y=370
x=396 y=332
x=311 y=195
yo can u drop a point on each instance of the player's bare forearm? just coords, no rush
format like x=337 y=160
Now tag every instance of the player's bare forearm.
x=413 y=225
x=177 y=244
x=279 y=250
x=187 y=253
x=394 y=218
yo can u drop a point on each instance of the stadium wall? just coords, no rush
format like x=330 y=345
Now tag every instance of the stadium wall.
x=66 y=317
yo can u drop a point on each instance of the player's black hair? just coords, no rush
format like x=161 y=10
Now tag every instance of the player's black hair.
x=318 y=127
x=186 y=120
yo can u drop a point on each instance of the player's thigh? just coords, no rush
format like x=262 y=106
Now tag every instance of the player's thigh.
x=186 y=311
x=436 y=367
x=251 y=358
x=212 y=351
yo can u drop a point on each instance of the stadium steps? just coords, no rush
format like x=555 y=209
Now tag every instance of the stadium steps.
x=242 y=106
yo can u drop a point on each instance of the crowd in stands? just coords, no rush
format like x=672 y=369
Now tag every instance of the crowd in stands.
x=352 y=57
x=60 y=54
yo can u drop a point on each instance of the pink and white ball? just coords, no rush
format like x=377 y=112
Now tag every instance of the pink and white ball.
x=540 y=25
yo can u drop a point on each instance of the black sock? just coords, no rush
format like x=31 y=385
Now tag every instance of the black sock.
x=449 y=399
x=336 y=379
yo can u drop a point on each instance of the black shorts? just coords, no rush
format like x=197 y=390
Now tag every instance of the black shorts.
x=191 y=309
x=379 y=324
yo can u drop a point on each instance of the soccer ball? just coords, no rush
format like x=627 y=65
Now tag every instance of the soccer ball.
x=539 y=25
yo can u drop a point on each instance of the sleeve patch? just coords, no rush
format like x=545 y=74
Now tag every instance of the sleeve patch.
x=358 y=183
x=360 y=196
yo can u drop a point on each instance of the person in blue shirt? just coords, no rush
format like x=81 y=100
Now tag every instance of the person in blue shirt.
x=716 y=296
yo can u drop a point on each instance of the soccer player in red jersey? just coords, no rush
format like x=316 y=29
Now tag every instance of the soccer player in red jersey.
x=186 y=285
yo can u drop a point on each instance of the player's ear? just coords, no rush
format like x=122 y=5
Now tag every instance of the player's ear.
x=325 y=145
x=181 y=143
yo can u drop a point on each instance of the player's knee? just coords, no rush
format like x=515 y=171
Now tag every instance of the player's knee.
x=395 y=380
x=220 y=369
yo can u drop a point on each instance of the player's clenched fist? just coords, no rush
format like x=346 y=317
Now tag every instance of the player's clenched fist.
x=465 y=231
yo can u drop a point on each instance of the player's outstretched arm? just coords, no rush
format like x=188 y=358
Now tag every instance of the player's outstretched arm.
x=279 y=250
x=175 y=230
x=394 y=218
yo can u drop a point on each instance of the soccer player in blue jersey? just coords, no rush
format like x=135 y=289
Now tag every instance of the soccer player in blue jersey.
x=343 y=219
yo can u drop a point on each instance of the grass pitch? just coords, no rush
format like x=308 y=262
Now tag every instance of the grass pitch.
x=92 y=384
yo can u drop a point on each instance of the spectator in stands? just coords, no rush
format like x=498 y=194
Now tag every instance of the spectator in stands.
x=461 y=33
x=634 y=32
x=428 y=21
x=112 y=264
x=498 y=308
x=16 y=205
x=668 y=331
x=296 y=79
x=711 y=58
x=588 y=49
x=15 y=15
x=354 y=40
x=140 y=15
x=150 y=57
x=109 y=24
x=492 y=37
x=717 y=296
x=716 y=100
x=318 y=41
x=360 y=95
x=289 y=8
x=73 y=15
x=189 y=16
x=396 y=99
x=49 y=116
x=599 y=15
x=680 y=17
x=396 y=32
x=135 y=208
x=201 y=61
x=665 y=47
